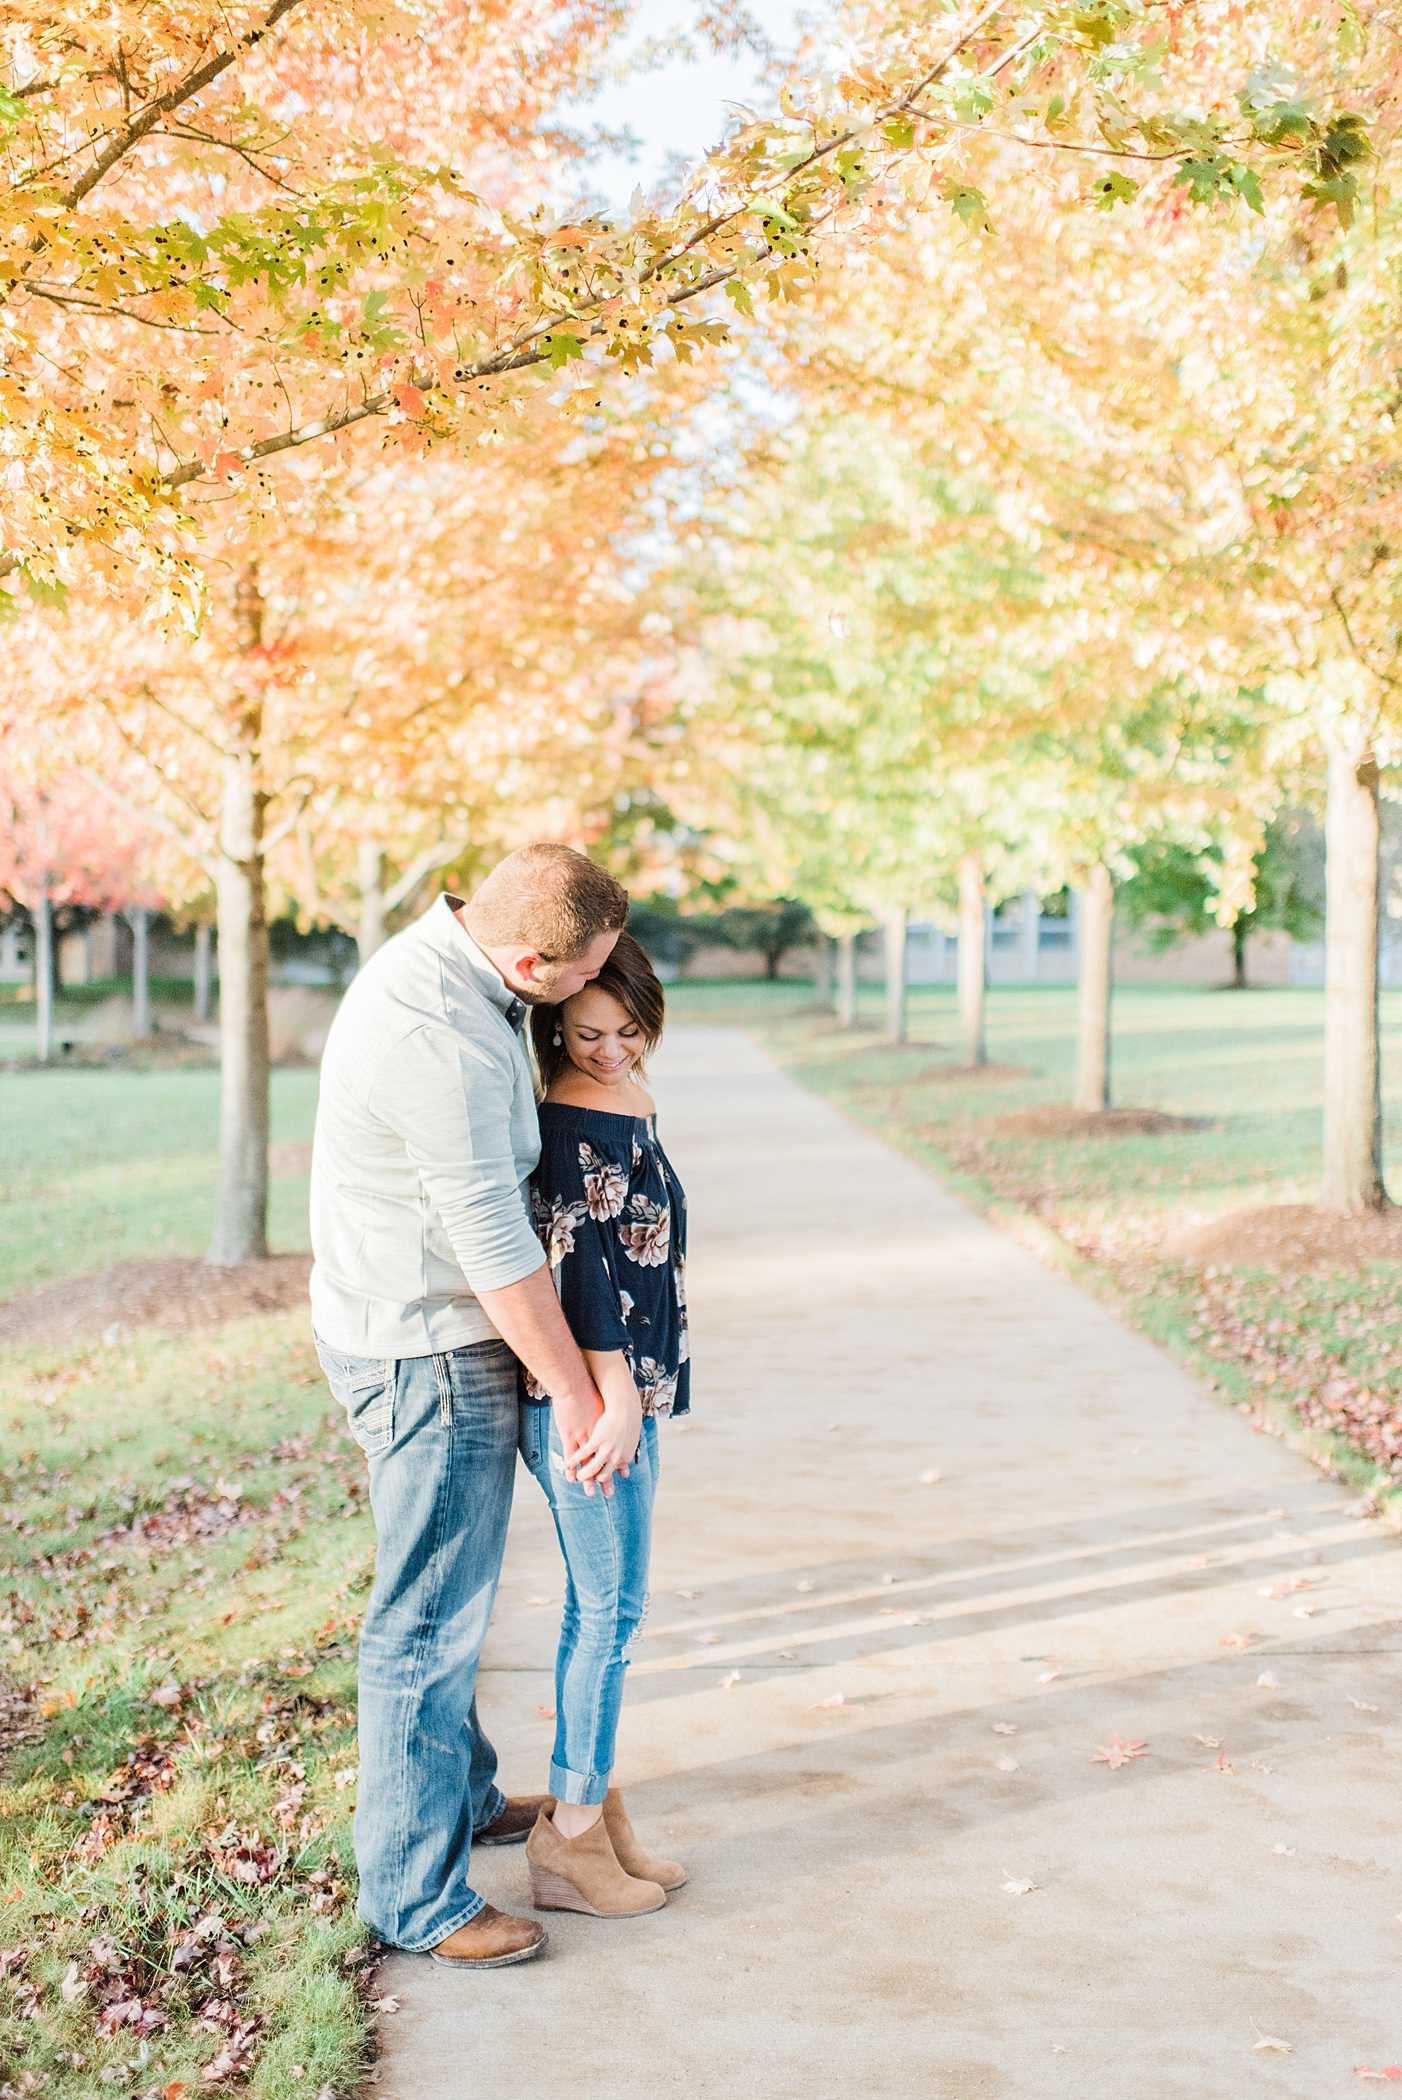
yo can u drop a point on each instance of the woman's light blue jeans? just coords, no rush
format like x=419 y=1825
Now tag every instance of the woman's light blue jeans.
x=440 y=1433
x=607 y=1544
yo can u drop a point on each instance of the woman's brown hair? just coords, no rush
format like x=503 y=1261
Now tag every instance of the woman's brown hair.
x=628 y=977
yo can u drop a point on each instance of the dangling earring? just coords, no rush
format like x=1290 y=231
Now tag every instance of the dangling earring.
x=556 y=1039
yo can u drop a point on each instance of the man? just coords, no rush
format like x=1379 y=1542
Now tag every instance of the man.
x=429 y=1283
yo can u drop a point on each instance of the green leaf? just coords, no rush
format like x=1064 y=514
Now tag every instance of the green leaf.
x=969 y=205
x=737 y=291
x=560 y=346
x=899 y=131
x=13 y=111
x=1112 y=189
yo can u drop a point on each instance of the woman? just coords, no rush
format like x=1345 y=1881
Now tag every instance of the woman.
x=613 y=1219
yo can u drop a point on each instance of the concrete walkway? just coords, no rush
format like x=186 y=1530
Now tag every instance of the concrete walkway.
x=1102 y=1525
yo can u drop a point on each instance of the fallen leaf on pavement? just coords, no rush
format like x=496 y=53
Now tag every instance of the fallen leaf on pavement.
x=1049 y=1677
x=1118 y=1752
x=690 y=1595
x=1392 y=2073
x=1277 y=1513
x=1058 y=2049
x=547 y=1713
x=384 y=2005
x=1223 y=1766
x=726 y=1682
x=539 y=1600
x=1304 y=1611
x=788 y=1655
x=706 y=1640
x=1273 y=2041
x=1209 y=1742
x=1005 y=1727
x=1008 y=1764
x=1274 y=1595
x=1362 y=1705
x=1261 y=1768
x=1022 y=1888
x=836 y=1700
x=1299 y=1582
x=1235 y=1640
x=804 y=1587
x=929 y=1479
x=1268 y=1682
x=1283 y=1851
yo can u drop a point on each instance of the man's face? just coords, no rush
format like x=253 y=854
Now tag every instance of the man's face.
x=553 y=983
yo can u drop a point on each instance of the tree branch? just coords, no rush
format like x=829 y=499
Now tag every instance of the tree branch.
x=434 y=857
x=149 y=816
x=145 y=121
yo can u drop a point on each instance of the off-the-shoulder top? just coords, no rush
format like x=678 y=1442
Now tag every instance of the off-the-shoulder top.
x=611 y=1216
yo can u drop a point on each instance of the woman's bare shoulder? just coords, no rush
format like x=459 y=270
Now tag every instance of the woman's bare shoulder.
x=576 y=1090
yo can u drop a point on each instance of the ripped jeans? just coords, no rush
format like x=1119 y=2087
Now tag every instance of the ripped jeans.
x=607 y=1543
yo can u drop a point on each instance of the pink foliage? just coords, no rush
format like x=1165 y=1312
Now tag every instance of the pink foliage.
x=60 y=826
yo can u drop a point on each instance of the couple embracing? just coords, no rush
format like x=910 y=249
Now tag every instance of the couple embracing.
x=499 y=1266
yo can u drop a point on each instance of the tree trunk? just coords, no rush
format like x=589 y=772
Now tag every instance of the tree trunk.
x=895 y=977
x=847 y=980
x=370 y=876
x=1353 y=1167
x=138 y=918
x=1239 y=924
x=44 y=970
x=1097 y=934
x=822 y=977
x=772 y=959
x=972 y=969
x=201 y=973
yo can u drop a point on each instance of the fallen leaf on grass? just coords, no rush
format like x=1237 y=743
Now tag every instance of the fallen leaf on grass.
x=1005 y=1727
x=1268 y=1682
x=73 y=1986
x=1391 y=2073
x=1008 y=1764
x=1235 y=1640
x=1118 y=1752
x=804 y=1587
x=1022 y=1888
x=929 y=1478
x=1273 y=2041
x=1362 y=1705
x=384 y=2005
x=1209 y=1742
x=348 y=1777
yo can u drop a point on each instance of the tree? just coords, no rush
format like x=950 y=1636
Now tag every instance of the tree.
x=281 y=222
x=1175 y=892
x=62 y=853
x=771 y=929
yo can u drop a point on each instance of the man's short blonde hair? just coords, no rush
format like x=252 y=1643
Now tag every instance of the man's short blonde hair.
x=550 y=897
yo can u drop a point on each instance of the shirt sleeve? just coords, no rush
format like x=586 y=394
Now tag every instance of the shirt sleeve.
x=578 y=1189
x=451 y=1105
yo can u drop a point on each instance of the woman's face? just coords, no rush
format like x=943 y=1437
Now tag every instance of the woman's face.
x=601 y=1037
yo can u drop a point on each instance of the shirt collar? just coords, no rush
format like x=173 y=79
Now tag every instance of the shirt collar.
x=449 y=934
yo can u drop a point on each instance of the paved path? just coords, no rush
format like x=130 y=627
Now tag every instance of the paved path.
x=847 y=1930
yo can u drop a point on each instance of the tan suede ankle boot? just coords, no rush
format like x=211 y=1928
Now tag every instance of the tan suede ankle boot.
x=630 y=1854
x=583 y=1874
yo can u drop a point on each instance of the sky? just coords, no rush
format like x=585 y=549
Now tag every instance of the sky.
x=679 y=108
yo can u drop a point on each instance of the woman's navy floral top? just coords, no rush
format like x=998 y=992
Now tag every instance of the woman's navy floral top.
x=612 y=1218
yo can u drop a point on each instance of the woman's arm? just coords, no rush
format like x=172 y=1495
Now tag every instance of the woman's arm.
x=612 y=1444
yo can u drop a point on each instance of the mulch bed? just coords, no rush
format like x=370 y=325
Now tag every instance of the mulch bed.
x=175 y=1293
x=1293 y=1238
x=1056 y=1120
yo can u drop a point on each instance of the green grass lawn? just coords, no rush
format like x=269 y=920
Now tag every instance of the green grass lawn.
x=183 y=1550
x=104 y=1166
x=1319 y=1354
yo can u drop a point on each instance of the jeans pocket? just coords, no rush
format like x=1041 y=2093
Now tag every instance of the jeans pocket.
x=364 y=1385
x=535 y=1428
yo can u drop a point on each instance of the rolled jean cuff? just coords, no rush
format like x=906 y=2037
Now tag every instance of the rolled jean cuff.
x=580 y=1790
x=492 y=1808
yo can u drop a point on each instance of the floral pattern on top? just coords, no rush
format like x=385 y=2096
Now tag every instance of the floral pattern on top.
x=611 y=1216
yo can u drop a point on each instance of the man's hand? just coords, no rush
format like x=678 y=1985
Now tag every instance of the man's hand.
x=612 y=1442
x=528 y=1318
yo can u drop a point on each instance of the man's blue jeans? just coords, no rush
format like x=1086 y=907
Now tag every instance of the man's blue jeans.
x=440 y=1433
x=607 y=1544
